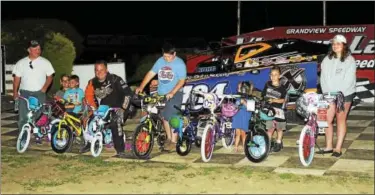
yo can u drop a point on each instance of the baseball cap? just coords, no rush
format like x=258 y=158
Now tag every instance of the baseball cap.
x=339 y=38
x=33 y=43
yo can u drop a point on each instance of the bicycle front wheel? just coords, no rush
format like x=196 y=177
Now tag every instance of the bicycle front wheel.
x=143 y=141
x=208 y=139
x=257 y=146
x=306 y=148
x=24 y=137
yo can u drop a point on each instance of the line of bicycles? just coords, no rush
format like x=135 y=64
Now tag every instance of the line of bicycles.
x=204 y=128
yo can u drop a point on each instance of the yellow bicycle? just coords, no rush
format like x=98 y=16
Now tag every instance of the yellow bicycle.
x=69 y=128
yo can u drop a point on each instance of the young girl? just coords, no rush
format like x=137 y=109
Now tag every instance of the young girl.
x=276 y=93
x=338 y=73
x=64 y=82
x=242 y=118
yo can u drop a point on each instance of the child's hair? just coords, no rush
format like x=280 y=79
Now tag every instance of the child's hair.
x=63 y=75
x=276 y=68
x=74 y=77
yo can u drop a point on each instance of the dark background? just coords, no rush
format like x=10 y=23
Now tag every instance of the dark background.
x=161 y=21
x=210 y=20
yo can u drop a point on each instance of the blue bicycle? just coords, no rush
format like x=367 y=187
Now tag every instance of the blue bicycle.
x=186 y=130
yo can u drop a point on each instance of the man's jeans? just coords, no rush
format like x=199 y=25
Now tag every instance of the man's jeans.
x=23 y=110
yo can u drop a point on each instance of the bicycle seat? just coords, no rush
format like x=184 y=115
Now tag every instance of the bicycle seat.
x=102 y=110
x=33 y=103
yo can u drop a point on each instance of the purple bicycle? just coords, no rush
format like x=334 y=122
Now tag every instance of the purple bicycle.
x=214 y=126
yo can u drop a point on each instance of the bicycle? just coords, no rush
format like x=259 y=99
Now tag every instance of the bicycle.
x=313 y=107
x=257 y=142
x=68 y=128
x=187 y=132
x=97 y=132
x=213 y=126
x=151 y=125
x=37 y=123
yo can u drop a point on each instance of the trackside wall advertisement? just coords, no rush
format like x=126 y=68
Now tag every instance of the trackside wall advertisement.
x=359 y=37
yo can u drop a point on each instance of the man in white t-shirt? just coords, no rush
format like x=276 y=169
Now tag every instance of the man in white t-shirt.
x=33 y=75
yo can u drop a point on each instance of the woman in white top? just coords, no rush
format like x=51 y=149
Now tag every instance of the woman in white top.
x=338 y=73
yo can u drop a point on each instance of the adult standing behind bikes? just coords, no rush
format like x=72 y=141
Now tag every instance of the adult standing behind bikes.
x=111 y=90
x=171 y=72
x=33 y=75
x=338 y=73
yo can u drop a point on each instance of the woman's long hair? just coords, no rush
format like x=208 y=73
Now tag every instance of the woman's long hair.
x=344 y=53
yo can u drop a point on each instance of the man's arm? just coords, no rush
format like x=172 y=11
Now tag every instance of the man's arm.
x=47 y=83
x=16 y=84
x=90 y=94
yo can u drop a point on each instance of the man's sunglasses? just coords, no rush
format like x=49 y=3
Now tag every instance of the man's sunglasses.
x=30 y=65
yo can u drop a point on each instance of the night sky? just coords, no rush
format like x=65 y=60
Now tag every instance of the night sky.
x=211 y=20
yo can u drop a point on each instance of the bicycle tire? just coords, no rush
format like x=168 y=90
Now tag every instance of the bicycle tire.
x=304 y=146
x=209 y=127
x=248 y=141
x=22 y=148
x=224 y=140
x=69 y=143
x=180 y=143
x=98 y=138
x=136 y=133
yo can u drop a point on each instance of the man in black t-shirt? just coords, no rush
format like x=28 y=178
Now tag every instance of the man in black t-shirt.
x=111 y=90
x=275 y=92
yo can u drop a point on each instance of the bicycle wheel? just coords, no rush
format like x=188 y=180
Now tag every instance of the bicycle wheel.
x=306 y=149
x=97 y=144
x=228 y=137
x=207 y=147
x=143 y=141
x=257 y=146
x=183 y=146
x=23 y=139
x=65 y=142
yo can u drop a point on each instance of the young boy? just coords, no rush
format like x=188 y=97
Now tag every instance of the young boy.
x=276 y=93
x=74 y=94
x=64 y=82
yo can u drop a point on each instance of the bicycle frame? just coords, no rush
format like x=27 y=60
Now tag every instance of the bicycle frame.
x=152 y=102
x=69 y=121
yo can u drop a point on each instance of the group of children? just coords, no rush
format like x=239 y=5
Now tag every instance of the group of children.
x=71 y=92
x=275 y=93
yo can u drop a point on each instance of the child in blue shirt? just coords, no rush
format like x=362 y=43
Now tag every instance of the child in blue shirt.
x=74 y=94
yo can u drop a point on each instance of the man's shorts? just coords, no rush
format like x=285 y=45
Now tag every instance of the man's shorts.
x=169 y=109
x=279 y=125
x=349 y=98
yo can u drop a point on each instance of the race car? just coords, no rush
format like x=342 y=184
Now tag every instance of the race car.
x=264 y=53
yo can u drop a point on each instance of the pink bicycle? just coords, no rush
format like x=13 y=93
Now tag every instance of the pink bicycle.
x=313 y=107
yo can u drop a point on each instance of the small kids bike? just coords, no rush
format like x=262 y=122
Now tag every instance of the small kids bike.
x=313 y=107
x=213 y=129
x=151 y=125
x=68 y=128
x=186 y=128
x=38 y=118
x=97 y=131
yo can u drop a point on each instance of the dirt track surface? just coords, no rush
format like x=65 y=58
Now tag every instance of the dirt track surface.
x=53 y=174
